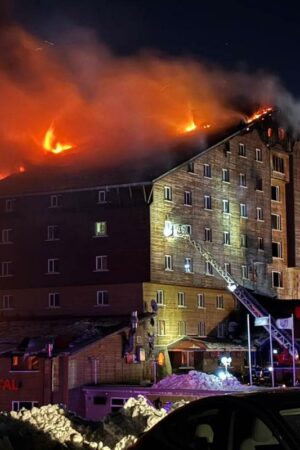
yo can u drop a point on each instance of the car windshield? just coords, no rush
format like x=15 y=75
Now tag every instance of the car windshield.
x=291 y=417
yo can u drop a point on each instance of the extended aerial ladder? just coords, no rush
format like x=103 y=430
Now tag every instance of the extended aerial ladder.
x=245 y=297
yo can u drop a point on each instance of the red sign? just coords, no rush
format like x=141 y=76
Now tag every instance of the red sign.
x=8 y=385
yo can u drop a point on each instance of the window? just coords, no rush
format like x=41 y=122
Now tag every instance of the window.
x=102 y=196
x=221 y=330
x=188 y=198
x=276 y=250
x=201 y=328
x=226 y=237
x=54 y=300
x=227 y=267
x=6 y=302
x=168 y=193
x=244 y=241
x=225 y=175
x=275 y=190
x=191 y=167
x=200 y=300
x=208 y=234
x=24 y=363
x=225 y=206
x=277 y=164
x=102 y=298
x=242 y=150
x=10 y=204
x=236 y=304
x=277 y=279
x=168 y=262
x=6 y=269
x=55 y=201
x=207 y=202
x=243 y=210
x=181 y=328
x=53 y=265
x=258 y=154
x=260 y=243
x=219 y=302
x=101 y=263
x=117 y=403
x=207 y=170
x=160 y=297
x=188 y=265
x=259 y=184
x=243 y=181
x=100 y=229
x=244 y=272
x=276 y=221
x=52 y=233
x=181 y=299
x=281 y=133
x=208 y=268
x=259 y=213
x=161 y=327
x=18 y=405
x=6 y=236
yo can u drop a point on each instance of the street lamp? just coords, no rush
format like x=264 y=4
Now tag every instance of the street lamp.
x=226 y=360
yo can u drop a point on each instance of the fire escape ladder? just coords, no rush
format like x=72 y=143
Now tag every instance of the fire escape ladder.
x=246 y=298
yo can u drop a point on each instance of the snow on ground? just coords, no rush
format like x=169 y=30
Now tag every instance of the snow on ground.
x=52 y=428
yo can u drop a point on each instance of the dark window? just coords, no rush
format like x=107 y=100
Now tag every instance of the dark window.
x=100 y=400
x=259 y=184
x=277 y=164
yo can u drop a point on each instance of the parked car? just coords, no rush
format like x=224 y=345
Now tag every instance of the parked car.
x=265 y=420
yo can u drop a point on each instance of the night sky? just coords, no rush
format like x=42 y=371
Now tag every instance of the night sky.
x=235 y=34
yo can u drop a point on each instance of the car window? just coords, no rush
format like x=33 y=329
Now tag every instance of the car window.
x=291 y=417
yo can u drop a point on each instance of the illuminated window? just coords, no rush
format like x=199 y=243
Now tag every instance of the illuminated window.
x=243 y=210
x=52 y=233
x=6 y=236
x=181 y=328
x=102 y=197
x=207 y=202
x=227 y=267
x=275 y=193
x=24 y=363
x=207 y=170
x=259 y=213
x=55 y=201
x=276 y=250
x=226 y=237
x=101 y=263
x=188 y=198
x=226 y=209
x=281 y=133
x=100 y=229
x=160 y=297
x=201 y=300
x=276 y=221
x=54 y=300
x=168 y=262
x=277 y=164
x=260 y=243
x=188 y=265
x=277 y=279
x=259 y=184
x=6 y=269
x=244 y=272
x=244 y=241
x=208 y=268
x=168 y=193
x=6 y=302
x=270 y=132
x=242 y=150
x=208 y=234
x=10 y=205
x=201 y=328
x=243 y=181
x=258 y=154
x=221 y=330
x=181 y=299
x=53 y=266
x=161 y=327
x=219 y=302
x=191 y=167
x=225 y=175
x=102 y=298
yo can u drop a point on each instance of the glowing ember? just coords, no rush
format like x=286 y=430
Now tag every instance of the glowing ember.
x=258 y=114
x=52 y=145
x=21 y=169
x=190 y=127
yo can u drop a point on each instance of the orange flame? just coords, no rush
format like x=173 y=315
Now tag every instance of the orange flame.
x=52 y=145
x=258 y=114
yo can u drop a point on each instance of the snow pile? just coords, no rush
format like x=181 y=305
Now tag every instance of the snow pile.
x=200 y=380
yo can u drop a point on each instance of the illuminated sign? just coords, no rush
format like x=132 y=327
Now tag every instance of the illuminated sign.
x=8 y=385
